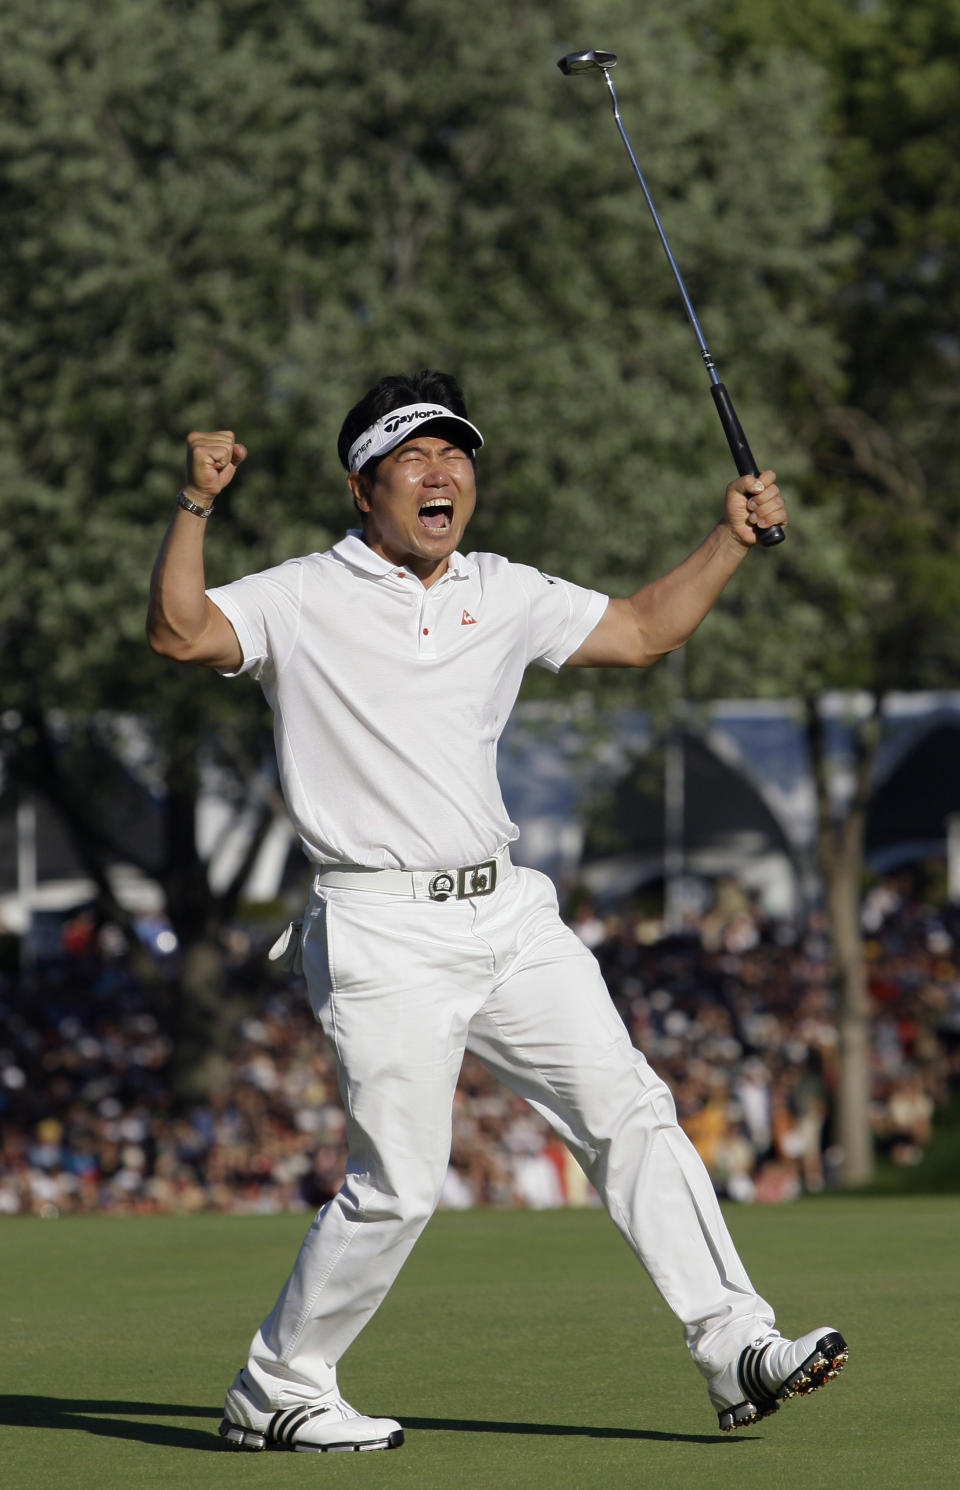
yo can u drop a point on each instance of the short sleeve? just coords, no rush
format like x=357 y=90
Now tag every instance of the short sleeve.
x=562 y=616
x=264 y=611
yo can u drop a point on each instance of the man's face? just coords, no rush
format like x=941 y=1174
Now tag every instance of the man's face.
x=417 y=503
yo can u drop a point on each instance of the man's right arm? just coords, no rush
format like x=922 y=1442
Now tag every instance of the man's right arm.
x=182 y=622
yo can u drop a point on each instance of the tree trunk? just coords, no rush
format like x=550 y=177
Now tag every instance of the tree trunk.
x=840 y=852
x=206 y=1006
x=843 y=880
x=202 y=1018
x=36 y=766
x=198 y=1006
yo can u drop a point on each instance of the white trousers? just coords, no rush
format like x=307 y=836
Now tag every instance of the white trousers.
x=402 y=987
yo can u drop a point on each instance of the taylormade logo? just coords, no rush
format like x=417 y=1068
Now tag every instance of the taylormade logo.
x=391 y=428
x=392 y=425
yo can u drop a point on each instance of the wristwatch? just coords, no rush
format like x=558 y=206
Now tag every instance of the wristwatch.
x=193 y=507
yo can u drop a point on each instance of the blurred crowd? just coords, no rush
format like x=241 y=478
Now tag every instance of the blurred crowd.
x=736 y=1013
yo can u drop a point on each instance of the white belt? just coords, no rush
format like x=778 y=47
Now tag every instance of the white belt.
x=466 y=883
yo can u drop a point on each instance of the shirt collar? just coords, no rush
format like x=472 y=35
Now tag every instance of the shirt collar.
x=353 y=551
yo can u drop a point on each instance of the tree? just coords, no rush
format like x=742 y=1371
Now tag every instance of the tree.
x=237 y=213
x=881 y=437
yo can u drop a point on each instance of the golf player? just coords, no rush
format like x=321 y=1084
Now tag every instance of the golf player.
x=392 y=663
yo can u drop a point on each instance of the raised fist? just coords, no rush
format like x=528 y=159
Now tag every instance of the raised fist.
x=212 y=460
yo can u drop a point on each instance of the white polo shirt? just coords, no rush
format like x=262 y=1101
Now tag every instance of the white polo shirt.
x=389 y=698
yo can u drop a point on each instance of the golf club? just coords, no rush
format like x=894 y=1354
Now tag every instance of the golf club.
x=595 y=61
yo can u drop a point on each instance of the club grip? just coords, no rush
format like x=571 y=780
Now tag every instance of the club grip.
x=742 y=454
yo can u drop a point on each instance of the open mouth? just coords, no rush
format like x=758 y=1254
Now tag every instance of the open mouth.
x=437 y=514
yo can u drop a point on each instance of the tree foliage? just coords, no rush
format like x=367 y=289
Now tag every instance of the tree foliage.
x=230 y=213
x=881 y=440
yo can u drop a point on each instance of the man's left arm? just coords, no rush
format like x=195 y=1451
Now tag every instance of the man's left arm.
x=661 y=616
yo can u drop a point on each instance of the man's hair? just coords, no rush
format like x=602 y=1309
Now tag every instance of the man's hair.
x=393 y=392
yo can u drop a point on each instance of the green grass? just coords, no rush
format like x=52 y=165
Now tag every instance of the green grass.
x=520 y=1349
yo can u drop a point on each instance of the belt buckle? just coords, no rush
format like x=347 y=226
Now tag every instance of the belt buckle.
x=475 y=879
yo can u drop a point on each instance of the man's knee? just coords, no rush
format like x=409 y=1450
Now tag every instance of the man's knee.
x=404 y=1195
x=633 y=1100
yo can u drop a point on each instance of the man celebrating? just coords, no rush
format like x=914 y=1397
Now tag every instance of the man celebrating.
x=392 y=663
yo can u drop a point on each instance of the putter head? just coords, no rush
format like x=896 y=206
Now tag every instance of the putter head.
x=587 y=62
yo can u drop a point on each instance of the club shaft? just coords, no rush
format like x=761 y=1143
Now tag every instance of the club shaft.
x=732 y=428
x=687 y=302
x=736 y=439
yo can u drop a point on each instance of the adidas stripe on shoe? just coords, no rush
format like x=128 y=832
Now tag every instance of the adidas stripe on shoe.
x=310 y=1428
x=773 y=1369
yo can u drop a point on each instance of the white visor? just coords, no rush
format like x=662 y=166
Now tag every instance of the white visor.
x=399 y=424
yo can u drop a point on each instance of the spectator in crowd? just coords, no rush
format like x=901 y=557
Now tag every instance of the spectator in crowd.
x=740 y=1023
